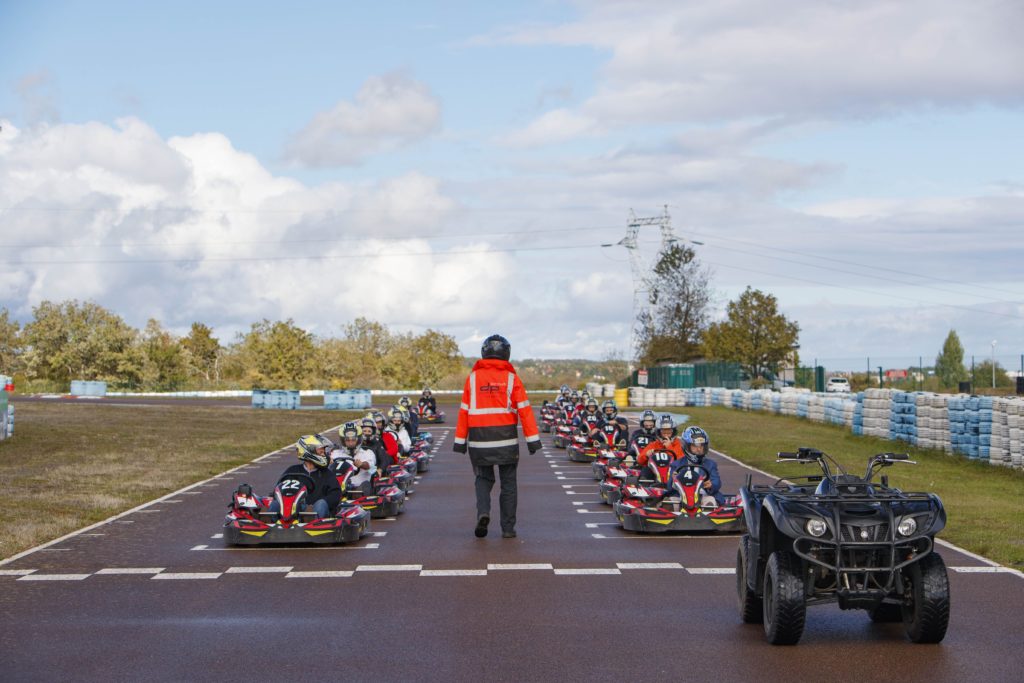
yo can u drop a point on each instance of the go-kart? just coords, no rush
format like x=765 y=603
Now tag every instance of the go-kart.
x=548 y=413
x=606 y=455
x=675 y=502
x=841 y=538
x=616 y=472
x=387 y=499
x=251 y=522
x=583 y=449
x=563 y=435
x=400 y=475
x=430 y=417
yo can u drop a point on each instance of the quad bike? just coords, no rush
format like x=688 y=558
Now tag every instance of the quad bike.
x=844 y=539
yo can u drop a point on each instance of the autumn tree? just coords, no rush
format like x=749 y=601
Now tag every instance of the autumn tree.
x=679 y=292
x=163 y=359
x=276 y=353
x=73 y=340
x=754 y=334
x=203 y=351
x=949 y=364
x=10 y=343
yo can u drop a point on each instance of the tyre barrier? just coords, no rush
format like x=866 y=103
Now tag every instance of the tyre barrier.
x=980 y=427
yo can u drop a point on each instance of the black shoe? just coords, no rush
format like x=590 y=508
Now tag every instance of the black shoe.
x=508 y=534
x=481 y=526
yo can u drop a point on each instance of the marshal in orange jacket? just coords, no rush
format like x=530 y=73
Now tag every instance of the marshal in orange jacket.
x=494 y=401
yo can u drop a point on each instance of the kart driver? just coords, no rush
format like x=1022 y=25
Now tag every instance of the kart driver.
x=613 y=429
x=696 y=443
x=372 y=442
x=588 y=422
x=666 y=441
x=412 y=418
x=363 y=458
x=427 y=404
x=644 y=435
x=326 y=493
x=392 y=435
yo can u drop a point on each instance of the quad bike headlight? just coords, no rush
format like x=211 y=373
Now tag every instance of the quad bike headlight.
x=816 y=527
x=907 y=526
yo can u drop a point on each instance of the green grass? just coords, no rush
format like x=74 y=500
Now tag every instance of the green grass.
x=984 y=504
x=70 y=465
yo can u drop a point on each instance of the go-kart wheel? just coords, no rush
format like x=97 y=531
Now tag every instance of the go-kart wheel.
x=751 y=607
x=926 y=617
x=785 y=608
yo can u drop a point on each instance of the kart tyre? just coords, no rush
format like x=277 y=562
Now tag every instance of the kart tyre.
x=784 y=605
x=887 y=613
x=926 y=617
x=751 y=606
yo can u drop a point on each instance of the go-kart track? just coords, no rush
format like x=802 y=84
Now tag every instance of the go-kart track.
x=155 y=595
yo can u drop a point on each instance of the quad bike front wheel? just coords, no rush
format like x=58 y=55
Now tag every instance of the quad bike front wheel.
x=785 y=608
x=926 y=614
x=751 y=606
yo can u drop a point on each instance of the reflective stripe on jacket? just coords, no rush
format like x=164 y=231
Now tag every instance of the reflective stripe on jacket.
x=494 y=401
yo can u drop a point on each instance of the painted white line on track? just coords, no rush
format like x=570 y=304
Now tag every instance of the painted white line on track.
x=453 y=572
x=503 y=567
x=257 y=570
x=185 y=576
x=659 y=537
x=594 y=525
x=118 y=516
x=54 y=577
x=389 y=568
x=56 y=550
x=585 y=572
x=594 y=512
x=377 y=534
x=577 y=502
x=217 y=536
x=92 y=534
x=199 y=547
x=150 y=510
x=319 y=575
x=172 y=501
x=16 y=572
x=648 y=565
x=191 y=493
x=293 y=549
x=116 y=571
x=711 y=570
x=983 y=570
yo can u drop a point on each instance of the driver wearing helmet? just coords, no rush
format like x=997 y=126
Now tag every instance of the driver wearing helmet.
x=696 y=444
x=412 y=418
x=666 y=441
x=352 y=450
x=326 y=493
x=392 y=435
x=645 y=434
x=588 y=421
x=427 y=404
x=564 y=395
x=614 y=429
x=372 y=442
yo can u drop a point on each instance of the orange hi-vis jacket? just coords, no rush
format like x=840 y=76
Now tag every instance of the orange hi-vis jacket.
x=676 y=448
x=494 y=400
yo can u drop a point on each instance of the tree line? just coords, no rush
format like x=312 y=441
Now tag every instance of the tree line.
x=73 y=340
x=678 y=329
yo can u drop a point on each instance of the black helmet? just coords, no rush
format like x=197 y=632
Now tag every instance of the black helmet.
x=648 y=416
x=350 y=431
x=367 y=423
x=496 y=346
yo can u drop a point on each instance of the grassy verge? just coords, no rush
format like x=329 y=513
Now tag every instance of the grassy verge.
x=70 y=464
x=984 y=504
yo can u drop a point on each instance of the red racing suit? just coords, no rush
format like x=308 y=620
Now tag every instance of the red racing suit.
x=494 y=401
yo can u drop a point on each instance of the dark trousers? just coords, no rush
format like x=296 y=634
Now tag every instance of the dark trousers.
x=507 y=499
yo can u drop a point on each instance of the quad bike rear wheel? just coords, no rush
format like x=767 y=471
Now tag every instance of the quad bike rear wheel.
x=751 y=606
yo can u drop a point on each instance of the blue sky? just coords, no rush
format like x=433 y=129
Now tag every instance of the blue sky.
x=179 y=139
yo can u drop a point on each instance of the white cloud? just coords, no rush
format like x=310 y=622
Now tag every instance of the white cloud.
x=714 y=60
x=388 y=112
x=557 y=125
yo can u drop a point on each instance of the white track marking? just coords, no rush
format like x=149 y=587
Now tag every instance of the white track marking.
x=257 y=570
x=116 y=571
x=54 y=577
x=583 y=572
x=172 y=501
x=92 y=534
x=188 y=575
x=377 y=534
x=16 y=572
x=319 y=575
x=199 y=547
x=293 y=549
x=594 y=512
x=648 y=565
x=659 y=537
x=711 y=570
x=217 y=536
x=453 y=572
x=984 y=570
x=577 y=502
x=389 y=568
x=594 y=525
x=150 y=510
x=191 y=493
x=503 y=567
x=119 y=515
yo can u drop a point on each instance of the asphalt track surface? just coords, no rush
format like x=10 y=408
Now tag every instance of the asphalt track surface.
x=154 y=595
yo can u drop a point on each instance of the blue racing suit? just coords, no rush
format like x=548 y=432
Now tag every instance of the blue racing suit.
x=713 y=476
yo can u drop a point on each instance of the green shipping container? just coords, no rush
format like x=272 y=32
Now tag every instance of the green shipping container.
x=674 y=376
